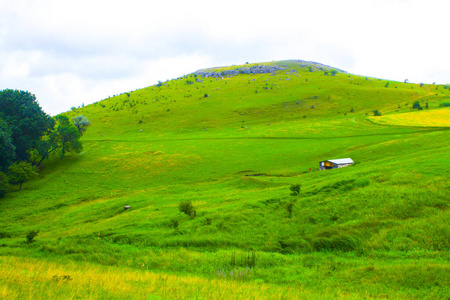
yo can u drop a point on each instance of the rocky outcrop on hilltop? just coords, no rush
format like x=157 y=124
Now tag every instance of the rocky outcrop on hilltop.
x=263 y=69
x=260 y=69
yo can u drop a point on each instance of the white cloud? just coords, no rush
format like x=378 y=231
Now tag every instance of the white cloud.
x=70 y=52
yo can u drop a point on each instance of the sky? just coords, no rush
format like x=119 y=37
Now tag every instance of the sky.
x=69 y=53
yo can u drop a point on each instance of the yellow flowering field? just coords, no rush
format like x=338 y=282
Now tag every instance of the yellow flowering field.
x=423 y=118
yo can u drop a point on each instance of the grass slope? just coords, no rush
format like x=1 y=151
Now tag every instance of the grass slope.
x=233 y=145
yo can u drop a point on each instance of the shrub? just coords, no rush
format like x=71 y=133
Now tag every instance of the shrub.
x=290 y=208
x=376 y=113
x=417 y=105
x=187 y=208
x=295 y=189
x=31 y=235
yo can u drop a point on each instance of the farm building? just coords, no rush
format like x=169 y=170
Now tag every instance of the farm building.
x=335 y=163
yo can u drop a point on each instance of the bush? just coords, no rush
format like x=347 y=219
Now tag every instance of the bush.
x=376 y=113
x=417 y=105
x=295 y=189
x=290 y=208
x=31 y=235
x=187 y=208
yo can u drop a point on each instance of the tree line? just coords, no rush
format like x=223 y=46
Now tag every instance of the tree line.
x=28 y=136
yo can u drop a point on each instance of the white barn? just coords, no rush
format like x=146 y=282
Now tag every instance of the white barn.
x=335 y=163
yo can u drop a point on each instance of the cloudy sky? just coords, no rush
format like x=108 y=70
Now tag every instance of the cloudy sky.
x=73 y=52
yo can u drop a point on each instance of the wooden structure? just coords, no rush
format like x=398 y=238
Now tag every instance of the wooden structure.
x=335 y=163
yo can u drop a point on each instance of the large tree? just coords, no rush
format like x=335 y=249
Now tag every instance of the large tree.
x=25 y=118
x=62 y=138
x=44 y=147
x=68 y=135
x=7 y=149
x=4 y=184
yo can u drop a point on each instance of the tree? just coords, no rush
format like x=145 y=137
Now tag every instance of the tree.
x=46 y=145
x=21 y=172
x=7 y=149
x=67 y=135
x=81 y=122
x=4 y=184
x=64 y=137
x=25 y=118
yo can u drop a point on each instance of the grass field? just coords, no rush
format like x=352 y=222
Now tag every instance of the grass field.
x=424 y=118
x=233 y=146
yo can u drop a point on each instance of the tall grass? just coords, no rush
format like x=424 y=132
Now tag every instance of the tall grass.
x=39 y=279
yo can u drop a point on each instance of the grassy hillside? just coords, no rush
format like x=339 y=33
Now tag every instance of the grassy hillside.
x=233 y=143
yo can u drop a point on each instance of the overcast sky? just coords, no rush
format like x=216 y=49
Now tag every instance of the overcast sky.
x=73 y=52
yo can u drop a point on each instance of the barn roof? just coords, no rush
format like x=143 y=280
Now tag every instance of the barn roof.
x=341 y=161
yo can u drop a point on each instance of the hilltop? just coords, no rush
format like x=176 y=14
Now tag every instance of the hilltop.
x=232 y=141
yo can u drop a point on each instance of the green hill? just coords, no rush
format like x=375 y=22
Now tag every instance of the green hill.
x=232 y=141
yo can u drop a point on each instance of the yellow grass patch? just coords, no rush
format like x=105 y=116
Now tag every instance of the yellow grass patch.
x=22 y=278
x=423 y=118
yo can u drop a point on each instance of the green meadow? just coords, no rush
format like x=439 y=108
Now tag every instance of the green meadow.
x=233 y=146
